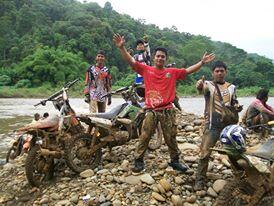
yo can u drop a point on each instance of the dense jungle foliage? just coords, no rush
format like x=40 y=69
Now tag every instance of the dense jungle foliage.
x=44 y=43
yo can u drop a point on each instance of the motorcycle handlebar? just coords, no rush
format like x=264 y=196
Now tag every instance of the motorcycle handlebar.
x=121 y=90
x=116 y=92
x=266 y=126
x=69 y=84
x=56 y=94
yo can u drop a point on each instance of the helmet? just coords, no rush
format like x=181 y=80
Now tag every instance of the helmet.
x=233 y=136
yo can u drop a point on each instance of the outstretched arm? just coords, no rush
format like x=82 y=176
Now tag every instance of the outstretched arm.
x=205 y=59
x=120 y=44
x=263 y=109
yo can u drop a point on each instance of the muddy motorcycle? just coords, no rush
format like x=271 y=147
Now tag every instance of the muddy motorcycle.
x=50 y=138
x=110 y=129
x=253 y=182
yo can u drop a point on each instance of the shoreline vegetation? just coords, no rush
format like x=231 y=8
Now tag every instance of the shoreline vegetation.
x=47 y=43
x=77 y=91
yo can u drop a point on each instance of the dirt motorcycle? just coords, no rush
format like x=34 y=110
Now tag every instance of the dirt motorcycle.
x=253 y=182
x=50 y=138
x=110 y=129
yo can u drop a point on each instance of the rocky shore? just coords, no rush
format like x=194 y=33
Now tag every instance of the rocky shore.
x=113 y=182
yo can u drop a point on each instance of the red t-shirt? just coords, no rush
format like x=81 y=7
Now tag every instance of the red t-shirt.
x=160 y=85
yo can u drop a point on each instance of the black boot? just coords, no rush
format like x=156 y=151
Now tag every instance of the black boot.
x=176 y=165
x=139 y=165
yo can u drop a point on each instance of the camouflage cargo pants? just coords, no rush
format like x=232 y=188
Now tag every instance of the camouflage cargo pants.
x=167 y=119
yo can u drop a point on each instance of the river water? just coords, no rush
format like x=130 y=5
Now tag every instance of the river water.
x=14 y=113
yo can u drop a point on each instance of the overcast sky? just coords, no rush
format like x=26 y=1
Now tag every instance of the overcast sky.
x=247 y=24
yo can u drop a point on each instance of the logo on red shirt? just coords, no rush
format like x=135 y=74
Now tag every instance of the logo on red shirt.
x=154 y=98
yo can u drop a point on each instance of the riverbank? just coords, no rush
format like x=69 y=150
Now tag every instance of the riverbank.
x=113 y=182
x=77 y=91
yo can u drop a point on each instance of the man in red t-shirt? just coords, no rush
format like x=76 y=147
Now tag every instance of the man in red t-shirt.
x=160 y=84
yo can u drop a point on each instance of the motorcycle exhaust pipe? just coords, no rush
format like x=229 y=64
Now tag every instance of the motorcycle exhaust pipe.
x=124 y=121
x=54 y=154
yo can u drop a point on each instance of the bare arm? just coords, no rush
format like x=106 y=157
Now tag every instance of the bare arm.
x=120 y=44
x=205 y=59
x=262 y=108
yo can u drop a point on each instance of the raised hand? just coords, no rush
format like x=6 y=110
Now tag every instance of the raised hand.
x=119 y=40
x=207 y=58
x=200 y=82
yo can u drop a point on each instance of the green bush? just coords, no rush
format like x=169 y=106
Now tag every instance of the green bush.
x=23 y=83
x=5 y=80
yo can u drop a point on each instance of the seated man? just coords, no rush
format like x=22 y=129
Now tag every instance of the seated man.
x=258 y=111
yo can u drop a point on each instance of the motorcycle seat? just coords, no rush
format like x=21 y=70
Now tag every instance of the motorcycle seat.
x=50 y=123
x=110 y=114
x=265 y=150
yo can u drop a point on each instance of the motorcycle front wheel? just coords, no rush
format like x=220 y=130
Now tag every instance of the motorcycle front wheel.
x=38 y=168
x=238 y=193
x=78 y=156
x=12 y=153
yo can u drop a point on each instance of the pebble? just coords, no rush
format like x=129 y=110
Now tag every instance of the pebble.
x=211 y=192
x=218 y=185
x=178 y=180
x=191 y=199
x=146 y=178
x=133 y=180
x=74 y=199
x=176 y=200
x=158 y=197
x=44 y=200
x=55 y=196
x=116 y=203
x=165 y=184
x=87 y=173
x=113 y=183
x=160 y=188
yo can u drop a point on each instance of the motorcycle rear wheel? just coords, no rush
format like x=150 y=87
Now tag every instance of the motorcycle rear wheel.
x=38 y=167
x=77 y=154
